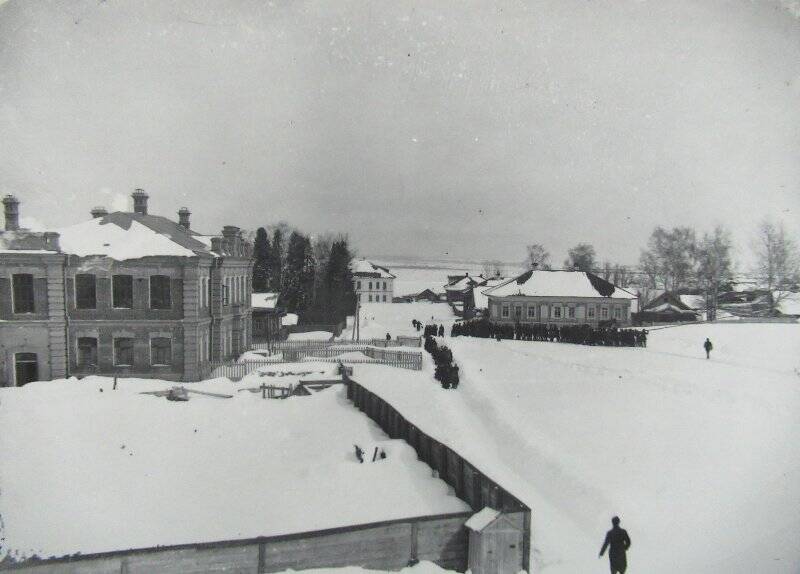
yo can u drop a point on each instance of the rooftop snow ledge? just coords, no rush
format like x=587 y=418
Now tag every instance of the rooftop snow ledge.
x=482 y=519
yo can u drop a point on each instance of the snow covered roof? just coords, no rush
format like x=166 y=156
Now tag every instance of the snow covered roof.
x=122 y=235
x=481 y=299
x=693 y=301
x=540 y=283
x=482 y=519
x=263 y=300
x=289 y=319
x=464 y=283
x=668 y=308
x=788 y=302
x=364 y=268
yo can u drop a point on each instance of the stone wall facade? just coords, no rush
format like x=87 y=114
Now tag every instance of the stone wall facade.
x=208 y=316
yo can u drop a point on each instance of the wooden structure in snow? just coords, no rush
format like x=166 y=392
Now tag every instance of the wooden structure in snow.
x=470 y=484
x=495 y=543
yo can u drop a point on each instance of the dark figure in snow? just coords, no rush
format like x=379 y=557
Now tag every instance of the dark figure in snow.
x=708 y=346
x=441 y=330
x=617 y=541
x=388 y=337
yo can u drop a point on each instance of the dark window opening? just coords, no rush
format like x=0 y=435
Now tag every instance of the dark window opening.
x=123 y=351
x=122 y=291
x=87 y=351
x=23 y=293
x=85 y=291
x=161 y=351
x=26 y=368
x=160 y=295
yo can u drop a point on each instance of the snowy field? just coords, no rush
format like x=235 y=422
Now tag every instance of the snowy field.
x=700 y=458
x=423 y=567
x=416 y=278
x=89 y=469
x=377 y=319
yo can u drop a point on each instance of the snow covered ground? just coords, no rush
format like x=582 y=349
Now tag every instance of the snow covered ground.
x=377 y=319
x=700 y=458
x=423 y=567
x=311 y=336
x=89 y=469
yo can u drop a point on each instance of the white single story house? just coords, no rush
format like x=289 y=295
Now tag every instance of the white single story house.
x=559 y=297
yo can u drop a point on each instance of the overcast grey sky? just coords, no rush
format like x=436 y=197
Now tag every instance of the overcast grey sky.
x=466 y=128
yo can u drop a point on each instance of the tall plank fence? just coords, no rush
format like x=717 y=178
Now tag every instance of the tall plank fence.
x=389 y=545
x=469 y=483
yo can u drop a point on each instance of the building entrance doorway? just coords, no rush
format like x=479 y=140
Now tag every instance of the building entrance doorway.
x=26 y=368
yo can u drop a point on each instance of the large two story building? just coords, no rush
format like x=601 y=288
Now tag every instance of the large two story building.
x=559 y=298
x=372 y=283
x=124 y=293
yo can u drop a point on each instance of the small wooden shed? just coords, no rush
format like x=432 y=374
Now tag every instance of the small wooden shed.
x=495 y=543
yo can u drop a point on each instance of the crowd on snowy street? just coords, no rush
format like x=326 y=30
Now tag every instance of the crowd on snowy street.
x=577 y=334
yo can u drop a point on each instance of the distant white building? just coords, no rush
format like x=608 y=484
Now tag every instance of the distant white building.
x=372 y=283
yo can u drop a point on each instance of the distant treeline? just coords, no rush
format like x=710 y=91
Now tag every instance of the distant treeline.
x=312 y=276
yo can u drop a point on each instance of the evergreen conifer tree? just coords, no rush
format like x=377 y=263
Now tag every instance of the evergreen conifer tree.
x=262 y=256
x=276 y=262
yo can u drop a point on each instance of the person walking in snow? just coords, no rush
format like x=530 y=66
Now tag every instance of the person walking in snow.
x=617 y=541
x=441 y=330
x=388 y=337
x=708 y=346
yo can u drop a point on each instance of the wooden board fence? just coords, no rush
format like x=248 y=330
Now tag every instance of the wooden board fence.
x=389 y=545
x=470 y=483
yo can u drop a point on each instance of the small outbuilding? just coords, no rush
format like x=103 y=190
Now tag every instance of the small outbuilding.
x=495 y=543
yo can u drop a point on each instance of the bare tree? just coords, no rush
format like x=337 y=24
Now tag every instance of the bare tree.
x=714 y=266
x=777 y=262
x=582 y=257
x=538 y=257
x=607 y=271
x=493 y=268
x=670 y=257
x=621 y=275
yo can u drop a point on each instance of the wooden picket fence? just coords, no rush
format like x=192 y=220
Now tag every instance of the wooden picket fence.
x=302 y=344
x=237 y=370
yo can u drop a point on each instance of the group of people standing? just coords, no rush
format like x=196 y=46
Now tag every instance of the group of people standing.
x=431 y=330
x=577 y=334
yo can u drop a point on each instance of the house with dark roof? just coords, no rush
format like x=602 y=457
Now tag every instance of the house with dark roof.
x=124 y=293
x=671 y=307
x=560 y=298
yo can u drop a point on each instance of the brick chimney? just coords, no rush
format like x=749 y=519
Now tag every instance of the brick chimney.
x=11 y=205
x=183 y=217
x=230 y=231
x=98 y=211
x=139 y=201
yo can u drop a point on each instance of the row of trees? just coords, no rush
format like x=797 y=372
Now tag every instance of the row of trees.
x=678 y=259
x=312 y=275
